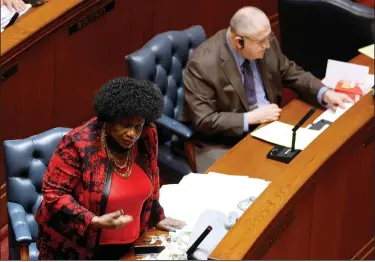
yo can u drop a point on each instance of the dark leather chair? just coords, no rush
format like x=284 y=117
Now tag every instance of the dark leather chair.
x=26 y=161
x=313 y=31
x=162 y=60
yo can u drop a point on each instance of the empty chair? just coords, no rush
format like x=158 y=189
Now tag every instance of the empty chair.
x=162 y=60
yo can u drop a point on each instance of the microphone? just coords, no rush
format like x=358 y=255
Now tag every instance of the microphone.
x=197 y=242
x=284 y=154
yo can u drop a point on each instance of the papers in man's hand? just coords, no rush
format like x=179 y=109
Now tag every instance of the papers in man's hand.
x=281 y=134
x=197 y=193
x=6 y=15
x=337 y=71
x=368 y=50
x=331 y=115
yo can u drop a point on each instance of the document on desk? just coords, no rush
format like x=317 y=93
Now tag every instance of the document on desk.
x=337 y=71
x=280 y=133
x=7 y=14
x=331 y=115
x=368 y=50
x=197 y=193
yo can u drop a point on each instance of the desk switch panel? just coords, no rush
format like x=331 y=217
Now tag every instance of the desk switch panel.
x=8 y=73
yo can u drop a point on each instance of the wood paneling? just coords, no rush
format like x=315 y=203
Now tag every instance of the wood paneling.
x=213 y=15
x=351 y=191
x=26 y=99
x=3 y=213
x=93 y=55
x=294 y=224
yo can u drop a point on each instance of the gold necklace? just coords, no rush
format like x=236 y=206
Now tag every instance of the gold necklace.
x=128 y=158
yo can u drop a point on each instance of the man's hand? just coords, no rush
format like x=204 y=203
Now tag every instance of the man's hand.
x=112 y=220
x=169 y=224
x=18 y=5
x=334 y=99
x=263 y=114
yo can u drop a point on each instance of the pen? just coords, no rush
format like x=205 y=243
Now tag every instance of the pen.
x=12 y=20
x=197 y=242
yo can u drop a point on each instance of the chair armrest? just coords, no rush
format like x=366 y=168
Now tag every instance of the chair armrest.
x=174 y=126
x=17 y=216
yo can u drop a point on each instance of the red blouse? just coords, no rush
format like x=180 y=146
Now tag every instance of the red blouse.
x=73 y=195
x=128 y=194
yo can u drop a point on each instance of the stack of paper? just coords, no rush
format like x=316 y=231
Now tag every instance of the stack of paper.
x=197 y=193
x=337 y=70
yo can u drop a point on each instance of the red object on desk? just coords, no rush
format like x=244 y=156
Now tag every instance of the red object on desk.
x=352 y=89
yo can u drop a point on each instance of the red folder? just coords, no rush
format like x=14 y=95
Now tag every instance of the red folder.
x=351 y=88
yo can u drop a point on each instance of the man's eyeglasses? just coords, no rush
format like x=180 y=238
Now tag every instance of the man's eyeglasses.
x=263 y=44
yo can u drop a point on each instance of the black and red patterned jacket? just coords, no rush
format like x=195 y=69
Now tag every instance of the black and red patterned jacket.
x=76 y=188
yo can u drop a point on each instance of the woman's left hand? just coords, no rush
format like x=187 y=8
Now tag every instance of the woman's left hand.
x=170 y=224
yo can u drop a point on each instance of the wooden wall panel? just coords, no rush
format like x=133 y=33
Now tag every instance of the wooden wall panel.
x=3 y=208
x=95 y=54
x=358 y=216
x=346 y=190
x=295 y=224
x=26 y=98
x=178 y=15
x=213 y=15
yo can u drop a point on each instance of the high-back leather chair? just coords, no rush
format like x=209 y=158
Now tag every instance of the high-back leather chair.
x=313 y=31
x=26 y=161
x=162 y=60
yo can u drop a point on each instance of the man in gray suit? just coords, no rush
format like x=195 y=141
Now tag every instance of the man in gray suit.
x=234 y=81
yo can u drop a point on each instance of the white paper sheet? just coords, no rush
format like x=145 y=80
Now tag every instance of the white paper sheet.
x=280 y=133
x=337 y=71
x=197 y=193
x=368 y=50
x=331 y=115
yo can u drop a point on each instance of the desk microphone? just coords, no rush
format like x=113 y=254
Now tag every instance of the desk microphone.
x=285 y=154
x=197 y=242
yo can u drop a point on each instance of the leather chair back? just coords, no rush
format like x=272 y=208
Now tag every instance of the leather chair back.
x=162 y=60
x=26 y=161
x=313 y=31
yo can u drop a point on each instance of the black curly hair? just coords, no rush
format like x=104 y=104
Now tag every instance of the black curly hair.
x=127 y=97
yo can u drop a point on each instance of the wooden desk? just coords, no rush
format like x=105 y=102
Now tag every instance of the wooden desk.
x=321 y=205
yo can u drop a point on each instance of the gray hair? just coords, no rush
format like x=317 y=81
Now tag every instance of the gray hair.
x=247 y=21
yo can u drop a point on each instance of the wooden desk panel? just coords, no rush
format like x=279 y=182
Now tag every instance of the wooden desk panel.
x=343 y=208
x=294 y=224
x=344 y=200
x=33 y=26
x=325 y=159
x=213 y=15
x=95 y=54
x=26 y=100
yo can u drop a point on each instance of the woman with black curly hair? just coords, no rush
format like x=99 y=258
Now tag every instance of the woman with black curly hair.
x=101 y=187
